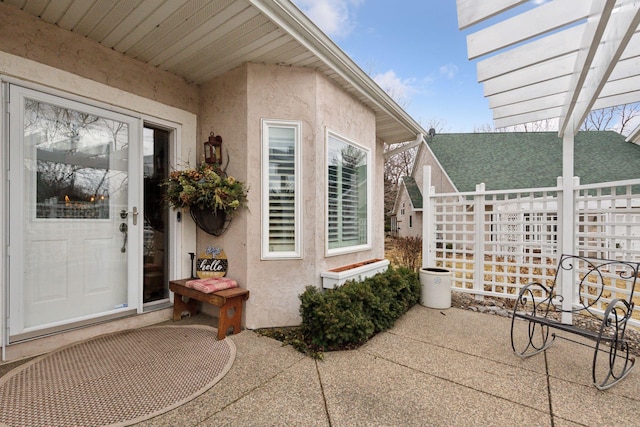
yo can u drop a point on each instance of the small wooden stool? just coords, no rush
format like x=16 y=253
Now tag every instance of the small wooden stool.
x=229 y=300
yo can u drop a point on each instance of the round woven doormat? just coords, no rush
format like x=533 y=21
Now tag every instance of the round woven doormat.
x=115 y=379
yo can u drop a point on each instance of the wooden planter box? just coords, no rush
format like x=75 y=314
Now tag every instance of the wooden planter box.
x=357 y=271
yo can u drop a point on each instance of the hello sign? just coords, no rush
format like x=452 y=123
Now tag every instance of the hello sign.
x=212 y=263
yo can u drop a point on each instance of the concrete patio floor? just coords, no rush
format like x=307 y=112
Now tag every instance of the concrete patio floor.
x=434 y=367
x=449 y=367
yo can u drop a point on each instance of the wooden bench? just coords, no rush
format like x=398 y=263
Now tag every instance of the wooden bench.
x=229 y=300
x=605 y=295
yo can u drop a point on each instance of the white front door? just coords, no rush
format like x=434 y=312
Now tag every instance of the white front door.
x=74 y=244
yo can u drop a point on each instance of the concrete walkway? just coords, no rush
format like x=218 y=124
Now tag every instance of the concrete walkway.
x=434 y=367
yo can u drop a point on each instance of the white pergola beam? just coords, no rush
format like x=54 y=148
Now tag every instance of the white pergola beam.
x=530 y=117
x=548 y=70
x=533 y=23
x=620 y=87
x=624 y=23
x=541 y=50
x=625 y=69
x=538 y=104
x=471 y=12
x=586 y=51
x=532 y=91
x=593 y=33
x=617 y=100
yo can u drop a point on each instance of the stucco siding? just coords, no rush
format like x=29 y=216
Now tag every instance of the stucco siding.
x=235 y=112
x=281 y=93
x=232 y=105
x=340 y=112
x=26 y=36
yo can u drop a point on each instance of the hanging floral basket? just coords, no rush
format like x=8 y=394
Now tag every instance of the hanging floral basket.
x=212 y=222
x=211 y=195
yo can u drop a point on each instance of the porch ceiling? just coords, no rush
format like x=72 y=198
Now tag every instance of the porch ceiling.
x=557 y=60
x=201 y=39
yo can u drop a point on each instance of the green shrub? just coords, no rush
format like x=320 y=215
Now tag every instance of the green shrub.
x=349 y=315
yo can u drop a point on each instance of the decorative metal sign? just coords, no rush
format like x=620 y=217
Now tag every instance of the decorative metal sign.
x=212 y=263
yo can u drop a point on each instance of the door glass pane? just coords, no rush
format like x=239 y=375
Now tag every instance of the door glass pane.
x=76 y=169
x=156 y=214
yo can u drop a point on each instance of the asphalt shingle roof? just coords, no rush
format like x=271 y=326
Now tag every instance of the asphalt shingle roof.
x=414 y=192
x=511 y=160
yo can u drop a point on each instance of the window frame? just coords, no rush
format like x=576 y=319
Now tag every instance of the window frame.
x=369 y=192
x=266 y=252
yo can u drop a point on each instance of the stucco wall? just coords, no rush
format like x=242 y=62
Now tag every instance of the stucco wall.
x=223 y=111
x=25 y=36
x=231 y=106
x=341 y=113
x=282 y=93
x=235 y=112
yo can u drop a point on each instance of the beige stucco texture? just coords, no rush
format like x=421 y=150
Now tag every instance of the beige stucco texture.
x=234 y=106
x=52 y=59
x=25 y=36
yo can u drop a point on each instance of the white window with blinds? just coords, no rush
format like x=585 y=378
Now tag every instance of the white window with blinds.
x=348 y=196
x=281 y=180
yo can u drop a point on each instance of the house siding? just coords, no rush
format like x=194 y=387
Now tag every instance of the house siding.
x=409 y=221
x=27 y=37
x=439 y=180
x=233 y=106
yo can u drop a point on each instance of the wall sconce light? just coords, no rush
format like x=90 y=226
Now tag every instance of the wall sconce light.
x=213 y=149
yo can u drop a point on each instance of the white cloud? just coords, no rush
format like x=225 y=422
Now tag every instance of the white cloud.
x=449 y=71
x=398 y=89
x=332 y=16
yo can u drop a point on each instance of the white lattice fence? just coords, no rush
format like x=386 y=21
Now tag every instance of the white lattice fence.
x=608 y=226
x=514 y=234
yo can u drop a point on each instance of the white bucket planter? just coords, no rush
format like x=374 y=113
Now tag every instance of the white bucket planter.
x=435 y=290
x=358 y=271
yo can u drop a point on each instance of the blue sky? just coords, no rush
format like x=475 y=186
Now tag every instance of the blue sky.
x=414 y=50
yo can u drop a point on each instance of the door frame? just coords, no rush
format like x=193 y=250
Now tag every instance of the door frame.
x=175 y=232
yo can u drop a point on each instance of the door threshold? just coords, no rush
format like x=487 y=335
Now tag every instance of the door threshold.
x=46 y=344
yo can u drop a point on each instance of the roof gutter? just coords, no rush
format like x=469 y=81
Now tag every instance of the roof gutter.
x=286 y=15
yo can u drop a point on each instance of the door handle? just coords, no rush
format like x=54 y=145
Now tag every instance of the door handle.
x=134 y=213
x=124 y=229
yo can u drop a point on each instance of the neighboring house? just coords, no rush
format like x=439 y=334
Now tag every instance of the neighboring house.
x=407 y=221
x=101 y=100
x=510 y=160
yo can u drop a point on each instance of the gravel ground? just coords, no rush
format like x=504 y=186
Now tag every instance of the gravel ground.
x=504 y=308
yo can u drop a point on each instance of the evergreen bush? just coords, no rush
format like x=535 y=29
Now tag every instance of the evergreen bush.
x=347 y=316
